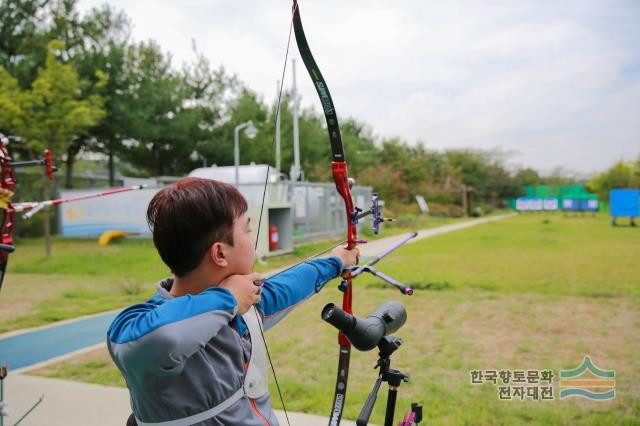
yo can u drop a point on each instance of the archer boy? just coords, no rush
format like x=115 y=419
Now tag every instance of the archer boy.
x=193 y=353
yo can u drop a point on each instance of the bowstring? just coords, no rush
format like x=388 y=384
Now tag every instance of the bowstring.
x=305 y=260
x=264 y=194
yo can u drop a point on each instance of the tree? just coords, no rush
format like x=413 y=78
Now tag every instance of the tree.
x=172 y=112
x=387 y=181
x=525 y=177
x=11 y=102
x=22 y=39
x=98 y=47
x=244 y=106
x=54 y=112
x=621 y=175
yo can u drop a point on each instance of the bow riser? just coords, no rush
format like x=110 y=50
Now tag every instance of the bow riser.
x=341 y=179
x=8 y=182
x=6 y=238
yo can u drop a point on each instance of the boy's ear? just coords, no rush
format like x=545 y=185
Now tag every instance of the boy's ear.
x=218 y=255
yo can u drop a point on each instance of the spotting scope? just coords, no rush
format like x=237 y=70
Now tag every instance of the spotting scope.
x=365 y=333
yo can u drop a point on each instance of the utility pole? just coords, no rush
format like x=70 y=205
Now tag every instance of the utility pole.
x=278 y=127
x=465 y=199
x=466 y=191
x=295 y=168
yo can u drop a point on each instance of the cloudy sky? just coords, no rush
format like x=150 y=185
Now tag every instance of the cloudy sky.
x=554 y=83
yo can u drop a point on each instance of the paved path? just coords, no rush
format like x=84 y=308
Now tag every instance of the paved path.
x=73 y=403
x=46 y=343
x=69 y=403
x=375 y=247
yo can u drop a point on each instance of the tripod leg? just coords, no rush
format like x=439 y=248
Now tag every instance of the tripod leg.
x=365 y=414
x=391 y=406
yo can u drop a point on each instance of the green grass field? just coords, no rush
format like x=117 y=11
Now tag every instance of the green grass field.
x=530 y=292
x=82 y=278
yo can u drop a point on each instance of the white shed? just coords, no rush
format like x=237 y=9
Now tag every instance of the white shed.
x=251 y=179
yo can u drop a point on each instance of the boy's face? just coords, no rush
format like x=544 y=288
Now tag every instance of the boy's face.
x=243 y=253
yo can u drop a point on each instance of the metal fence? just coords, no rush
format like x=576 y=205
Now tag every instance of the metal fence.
x=319 y=211
x=317 y=208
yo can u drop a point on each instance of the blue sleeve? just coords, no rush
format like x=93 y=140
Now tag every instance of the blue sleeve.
x=284 y=291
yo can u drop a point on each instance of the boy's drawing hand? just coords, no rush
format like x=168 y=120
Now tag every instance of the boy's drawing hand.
x=244 y=290
x=348 y=257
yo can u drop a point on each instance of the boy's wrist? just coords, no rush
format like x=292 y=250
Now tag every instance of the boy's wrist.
x=340 y=263
x=233 y=296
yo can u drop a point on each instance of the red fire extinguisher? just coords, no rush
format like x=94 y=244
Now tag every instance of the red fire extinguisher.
x=273 y=237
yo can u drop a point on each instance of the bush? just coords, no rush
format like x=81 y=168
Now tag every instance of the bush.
x=481 y=209
x=446 y=210
x=406 y=220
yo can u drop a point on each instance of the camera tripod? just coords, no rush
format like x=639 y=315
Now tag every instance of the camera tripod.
x=387 y=346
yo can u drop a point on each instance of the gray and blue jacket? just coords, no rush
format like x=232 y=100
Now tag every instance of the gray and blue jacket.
x=187 y=357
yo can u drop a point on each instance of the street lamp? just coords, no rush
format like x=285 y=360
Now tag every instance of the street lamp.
x=195 y=155
x=250 y=132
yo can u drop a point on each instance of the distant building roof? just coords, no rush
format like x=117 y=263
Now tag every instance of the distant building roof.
x=251 y=179
x=248 y=174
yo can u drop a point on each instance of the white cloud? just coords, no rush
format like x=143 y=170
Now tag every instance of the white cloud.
x=558 y=82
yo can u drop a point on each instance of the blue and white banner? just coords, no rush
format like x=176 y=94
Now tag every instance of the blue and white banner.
x=580 y=205
x=525 y=204
x=570 y=204
x=119 y=212
x=550 y=204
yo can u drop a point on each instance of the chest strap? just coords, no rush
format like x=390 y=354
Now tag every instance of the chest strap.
x=200 y=417
x=257 y=376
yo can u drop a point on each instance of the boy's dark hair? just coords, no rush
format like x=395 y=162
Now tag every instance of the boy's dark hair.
x=187 y=217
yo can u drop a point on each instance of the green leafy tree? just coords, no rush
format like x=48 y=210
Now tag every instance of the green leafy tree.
x=559 y=176
x=172 y=113
x=623 y=174
x=387 y=181
x=155 y=96
x=22 y=38
x=11 y=100
x=52 y=113
x=525 y=177
x=54 y=110
x=98 y=43
x=215 y=98
x=468 y=166
x=244 y=106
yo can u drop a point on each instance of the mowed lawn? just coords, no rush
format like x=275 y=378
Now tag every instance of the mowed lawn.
x=82 y=278
x=531 y=292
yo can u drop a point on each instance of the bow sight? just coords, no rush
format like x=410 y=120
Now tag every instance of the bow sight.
x=376 y=214
x=375 y=211
x=377 y=217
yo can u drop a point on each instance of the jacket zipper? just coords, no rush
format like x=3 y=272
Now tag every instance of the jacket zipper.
x=255 y=410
